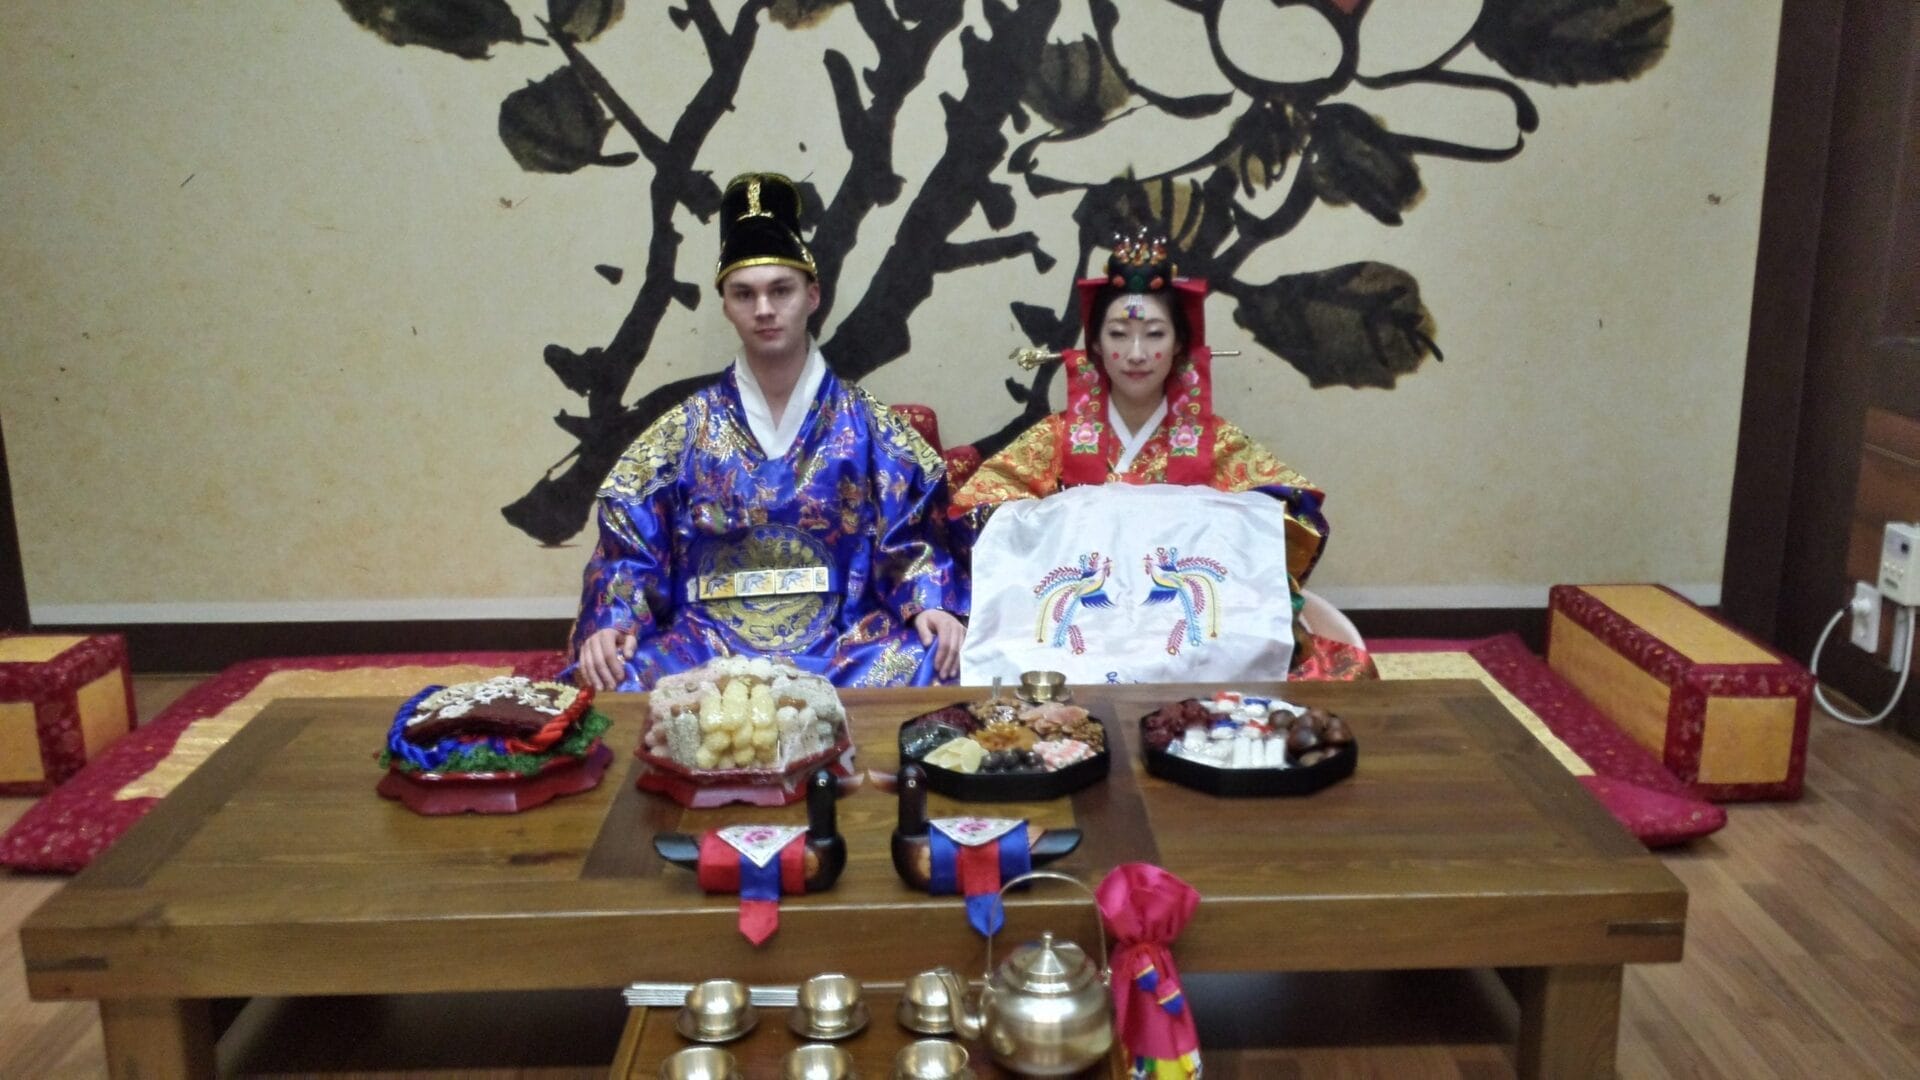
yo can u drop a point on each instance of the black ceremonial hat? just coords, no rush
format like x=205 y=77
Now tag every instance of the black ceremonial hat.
x=760 y=225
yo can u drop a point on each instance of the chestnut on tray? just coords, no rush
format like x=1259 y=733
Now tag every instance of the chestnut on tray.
x=1002 y=750
x=1240 y=745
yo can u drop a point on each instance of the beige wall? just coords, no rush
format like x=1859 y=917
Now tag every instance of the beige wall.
x=277 y=298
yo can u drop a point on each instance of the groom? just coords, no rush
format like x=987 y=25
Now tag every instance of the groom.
x=779 y=511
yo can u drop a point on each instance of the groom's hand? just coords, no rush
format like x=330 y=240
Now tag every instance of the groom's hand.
x=944 y=634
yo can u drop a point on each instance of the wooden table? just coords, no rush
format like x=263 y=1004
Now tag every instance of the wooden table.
x=275 y=870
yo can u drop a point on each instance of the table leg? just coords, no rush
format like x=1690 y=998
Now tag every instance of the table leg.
x=157 y=1038
x=1569 y=1021
x=626 y=1059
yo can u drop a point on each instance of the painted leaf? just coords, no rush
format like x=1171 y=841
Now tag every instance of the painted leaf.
x=1073 y=87
x=468 y=28
x=1264 y=140
x=556 y=125
x=1361 y=324
x=800 y=14
x=584 y=20
x=1569 y=42
x=1195 y=218
x=1355 y=161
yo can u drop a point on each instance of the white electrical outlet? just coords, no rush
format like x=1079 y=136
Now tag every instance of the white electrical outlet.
x=1902 y=639
x=1900 y=563
x=1865 y=609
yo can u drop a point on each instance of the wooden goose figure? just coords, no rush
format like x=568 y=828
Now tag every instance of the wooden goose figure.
x=912 y=852
x=826 y=849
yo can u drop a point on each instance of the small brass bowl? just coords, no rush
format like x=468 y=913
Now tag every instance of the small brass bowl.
x=699 y=1063
x=817 y=1061
x=718 y=1010
x=1043 y=686
x=931 y=1059
x=925 y=1007
x=828 y=1007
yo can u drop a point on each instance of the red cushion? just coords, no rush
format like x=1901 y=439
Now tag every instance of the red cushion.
x=1656 y=818
x=1653 y=804
x=1648 y=800
x=962 y=461
x=64 y=831
x=923 y=420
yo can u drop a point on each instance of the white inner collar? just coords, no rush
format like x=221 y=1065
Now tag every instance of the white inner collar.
x=1131 y=441
x=776 y=439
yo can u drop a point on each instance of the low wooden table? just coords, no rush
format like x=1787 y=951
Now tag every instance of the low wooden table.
x=275 y=870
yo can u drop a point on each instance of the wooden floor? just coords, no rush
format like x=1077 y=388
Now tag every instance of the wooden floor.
x=1803 y=960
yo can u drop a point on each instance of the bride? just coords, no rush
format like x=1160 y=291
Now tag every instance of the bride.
x=1140 y=412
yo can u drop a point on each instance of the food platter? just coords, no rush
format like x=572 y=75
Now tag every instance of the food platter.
x=1022 y=751
x=1187 y=743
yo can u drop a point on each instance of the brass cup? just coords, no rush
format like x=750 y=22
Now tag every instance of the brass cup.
x=925 y=1007
x=699 y=1063
x=817 y=1061
x=931 y=1059
x=827 y=1003
x=718 y=1007
x=1039 y=686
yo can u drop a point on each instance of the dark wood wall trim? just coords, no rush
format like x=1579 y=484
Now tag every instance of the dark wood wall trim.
x=1454 y=623
x=13 y=574
x=1804 y=78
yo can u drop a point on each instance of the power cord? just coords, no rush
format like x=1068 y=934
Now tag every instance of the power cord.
x=1904 y=612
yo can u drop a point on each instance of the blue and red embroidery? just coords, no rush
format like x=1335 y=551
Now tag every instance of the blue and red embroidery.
x=1063 y=592
x=1192 y=581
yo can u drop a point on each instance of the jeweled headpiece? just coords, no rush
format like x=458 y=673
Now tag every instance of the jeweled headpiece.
x=760 y=226
x=1139 y=263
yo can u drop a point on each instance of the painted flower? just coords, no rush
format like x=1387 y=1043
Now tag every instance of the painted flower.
x=1345 y=90
x=1185 y=437
x=1084 y=435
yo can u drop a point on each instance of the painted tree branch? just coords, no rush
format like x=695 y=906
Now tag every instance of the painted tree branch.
x=959 y=256
x=556 y=507
x=650 y=145
x=870 y=180
x=875 y=332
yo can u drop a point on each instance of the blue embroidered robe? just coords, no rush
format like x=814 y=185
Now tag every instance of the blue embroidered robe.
x=820 y=556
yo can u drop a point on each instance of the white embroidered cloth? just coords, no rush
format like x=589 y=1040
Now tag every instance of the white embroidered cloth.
x=1132 y=583
x=761 y=844
x=974 y=831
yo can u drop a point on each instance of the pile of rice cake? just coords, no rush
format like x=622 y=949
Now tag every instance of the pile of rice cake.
x=737 y=712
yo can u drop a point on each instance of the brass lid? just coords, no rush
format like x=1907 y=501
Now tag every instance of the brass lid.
x=1050 y=967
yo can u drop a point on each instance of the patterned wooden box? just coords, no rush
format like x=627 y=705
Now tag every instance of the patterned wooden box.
x=63 y=699
x=1723 y=713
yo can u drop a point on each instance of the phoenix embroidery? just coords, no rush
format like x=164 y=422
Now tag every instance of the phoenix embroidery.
x=1191 y=581
x=1063 y=592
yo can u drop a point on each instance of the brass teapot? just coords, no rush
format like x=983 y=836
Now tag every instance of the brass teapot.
x=1046 y=1011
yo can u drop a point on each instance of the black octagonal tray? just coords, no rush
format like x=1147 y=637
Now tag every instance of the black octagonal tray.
x=1011 y=787
x=1250 y=783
